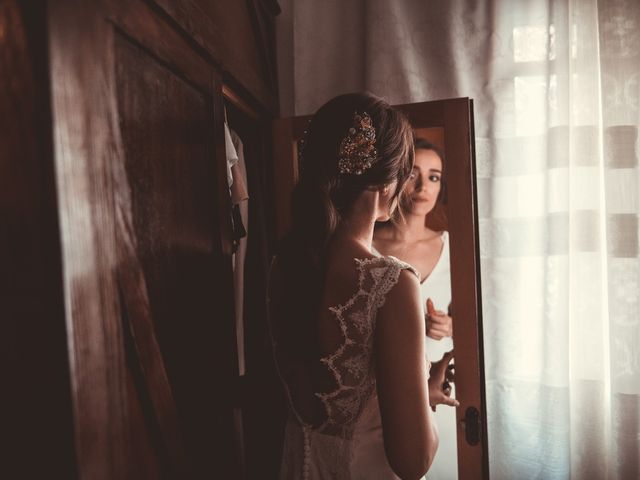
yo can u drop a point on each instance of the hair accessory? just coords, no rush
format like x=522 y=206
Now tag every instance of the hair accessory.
x=357 y=151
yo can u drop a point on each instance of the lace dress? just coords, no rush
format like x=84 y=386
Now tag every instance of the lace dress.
x=341 y=445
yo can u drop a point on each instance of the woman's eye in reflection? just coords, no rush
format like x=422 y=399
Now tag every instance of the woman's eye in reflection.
x=434 y=178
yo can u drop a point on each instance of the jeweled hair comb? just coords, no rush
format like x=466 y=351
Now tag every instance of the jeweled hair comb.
x=357 y=152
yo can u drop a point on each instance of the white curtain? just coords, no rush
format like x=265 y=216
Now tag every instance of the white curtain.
x=557 y=90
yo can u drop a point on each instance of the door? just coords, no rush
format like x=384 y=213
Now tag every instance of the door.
x=144 y=217
x=449 y=125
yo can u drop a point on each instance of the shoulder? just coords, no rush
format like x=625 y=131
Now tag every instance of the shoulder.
x=393 y=280
x=387 y=262
x=374 y=274
x=406 y=283
x=395 y=264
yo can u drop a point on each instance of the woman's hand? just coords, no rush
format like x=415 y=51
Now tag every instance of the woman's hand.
x=441 y=377
x=438 y=323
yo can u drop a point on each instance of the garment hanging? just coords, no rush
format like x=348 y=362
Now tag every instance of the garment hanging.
x=237 y=178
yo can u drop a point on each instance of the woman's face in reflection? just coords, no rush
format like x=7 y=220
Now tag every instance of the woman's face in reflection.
x=424 y=183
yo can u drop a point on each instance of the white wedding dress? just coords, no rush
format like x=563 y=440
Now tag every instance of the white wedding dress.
x=347 y=444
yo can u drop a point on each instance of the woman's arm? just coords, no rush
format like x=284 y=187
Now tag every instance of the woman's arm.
x=410 y=434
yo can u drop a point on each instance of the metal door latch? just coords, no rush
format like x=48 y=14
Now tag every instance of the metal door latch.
x=471 y=425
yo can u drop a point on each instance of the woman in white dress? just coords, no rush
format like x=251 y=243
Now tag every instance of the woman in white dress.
x=409 y=239
x=347 y=325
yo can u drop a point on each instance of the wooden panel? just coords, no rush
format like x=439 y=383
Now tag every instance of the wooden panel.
x=36 y=414
x=85 y=141
x=227 y=32
x=145 y=225
x=433 y=134
x=159 y=37
x=167 y=132
x=149 y=454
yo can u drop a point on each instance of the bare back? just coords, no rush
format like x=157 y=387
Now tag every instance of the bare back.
x=329 y=391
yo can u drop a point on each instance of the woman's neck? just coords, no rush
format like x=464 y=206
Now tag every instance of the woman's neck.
x=358 y=229
x=358 y=224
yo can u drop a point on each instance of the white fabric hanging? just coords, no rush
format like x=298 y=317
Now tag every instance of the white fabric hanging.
x=240 y=196
x=232 y=155
x=237 y=181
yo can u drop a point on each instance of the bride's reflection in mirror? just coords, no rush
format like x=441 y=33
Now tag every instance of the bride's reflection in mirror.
x=411 y=237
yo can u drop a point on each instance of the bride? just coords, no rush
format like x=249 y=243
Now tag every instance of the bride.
x=348 y=325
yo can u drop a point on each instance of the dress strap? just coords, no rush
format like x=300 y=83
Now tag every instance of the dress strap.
x=386 y=272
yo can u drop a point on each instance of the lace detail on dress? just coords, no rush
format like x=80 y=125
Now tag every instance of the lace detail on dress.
x=324 y=451
x=352 y=364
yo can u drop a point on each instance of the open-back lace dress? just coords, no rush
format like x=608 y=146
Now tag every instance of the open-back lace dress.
x=345 y=439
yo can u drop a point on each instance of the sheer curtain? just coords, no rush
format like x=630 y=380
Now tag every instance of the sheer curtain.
x=557 y=92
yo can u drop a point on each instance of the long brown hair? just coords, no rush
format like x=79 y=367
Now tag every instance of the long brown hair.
x=323 y=196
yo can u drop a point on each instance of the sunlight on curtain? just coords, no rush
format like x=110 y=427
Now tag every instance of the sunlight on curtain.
x=557 y=91
x=559 y=235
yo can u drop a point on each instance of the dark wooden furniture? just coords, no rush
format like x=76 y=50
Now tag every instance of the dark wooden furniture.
x=119 y=332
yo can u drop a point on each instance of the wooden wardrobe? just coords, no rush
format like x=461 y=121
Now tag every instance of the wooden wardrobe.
x=119 y=341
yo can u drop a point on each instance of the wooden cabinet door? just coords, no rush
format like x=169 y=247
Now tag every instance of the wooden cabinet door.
x=448 y=124
x=144 y=218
